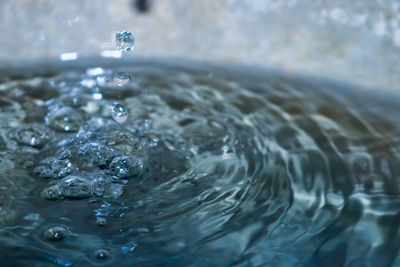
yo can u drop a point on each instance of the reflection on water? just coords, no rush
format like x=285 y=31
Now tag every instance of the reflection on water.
x=213 y=166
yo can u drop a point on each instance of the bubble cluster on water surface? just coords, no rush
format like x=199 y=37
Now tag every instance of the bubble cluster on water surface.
x=54 y=167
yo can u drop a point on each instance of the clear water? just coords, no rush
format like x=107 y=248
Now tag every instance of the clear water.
x=214 y=166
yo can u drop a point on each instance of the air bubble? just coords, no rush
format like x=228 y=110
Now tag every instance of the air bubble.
x=101 y=221
x=75 y=187
x=96 y=154
x=55 y=233
x=119 y=113
x=64 y=119
x=101 y=254
x=51 y=193
x=54 y=168
x=124 y=40
x=121 y=78
x=31 y=135
x=126 y=166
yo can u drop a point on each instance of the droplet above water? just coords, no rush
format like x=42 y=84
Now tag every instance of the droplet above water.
x=119 y=113
x=124 y=40
x=121 y=78
x=55 y=233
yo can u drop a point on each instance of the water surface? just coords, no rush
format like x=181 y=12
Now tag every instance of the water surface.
x=214 y=166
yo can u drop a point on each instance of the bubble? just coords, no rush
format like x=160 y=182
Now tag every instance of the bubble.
x=153 y=141
x=54 y=168
x=75 y=187
x=96 y=154
x=101 y=254
x=28 y=164
x=64 y=119
x=124 y=40
x=31 y=135
x=119 y=113
x=51 y=193
x=101 y=221
x=55 y=233
x=104 y=188
x=126 y=166
x=121 y=78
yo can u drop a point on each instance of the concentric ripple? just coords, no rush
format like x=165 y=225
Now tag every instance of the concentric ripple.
x=214 y=166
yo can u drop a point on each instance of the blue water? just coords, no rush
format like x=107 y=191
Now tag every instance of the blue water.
x=214 y=166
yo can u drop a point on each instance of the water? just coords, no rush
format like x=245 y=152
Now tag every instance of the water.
x=214 y=166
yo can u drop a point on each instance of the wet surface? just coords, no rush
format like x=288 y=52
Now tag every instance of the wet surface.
x=213 y=166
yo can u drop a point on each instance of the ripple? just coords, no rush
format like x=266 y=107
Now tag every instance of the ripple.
x=242 y=168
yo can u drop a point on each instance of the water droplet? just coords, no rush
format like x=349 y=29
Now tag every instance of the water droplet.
x=126 y=166
x=101 y=254
x=51 y=193
x=121 y=78
x=55 y=233
x=101 y=221
x=119 y=113
x=31 y=135
x=64 y=119
x=124 y=40
x=76 y=187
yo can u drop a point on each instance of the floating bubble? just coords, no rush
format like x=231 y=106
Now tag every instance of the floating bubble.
x=75 y=187
x=126 y=166
x=103 y=187
x=55 y=233
x=124 y=40
x=121 y=78
x=51 y=193
x=101 y=254
x=96 y=154
x=64 y=119
x=101 y=221
x=54 y=168
x=119 y=113
x=32 y=135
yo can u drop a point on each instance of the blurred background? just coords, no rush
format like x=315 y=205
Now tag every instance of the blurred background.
x=353 y=41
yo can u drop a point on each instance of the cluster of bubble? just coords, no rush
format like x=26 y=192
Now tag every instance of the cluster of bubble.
x=91 y=164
